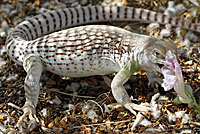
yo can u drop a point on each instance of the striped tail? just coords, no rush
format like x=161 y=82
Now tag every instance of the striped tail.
x=49 y=22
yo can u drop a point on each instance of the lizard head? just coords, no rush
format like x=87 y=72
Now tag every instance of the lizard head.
x=152 y=58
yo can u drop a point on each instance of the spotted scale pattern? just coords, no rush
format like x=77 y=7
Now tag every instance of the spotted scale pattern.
x=83 y=51
x=64 y=46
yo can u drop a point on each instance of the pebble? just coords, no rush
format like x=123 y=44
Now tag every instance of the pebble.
x=56 y=100
x=180 y=114
x=17 y=20
x=2 y=63
x=71 y=106
x=170 y=11
x=4 y=29
x=187 y=42
x=2 y=128
x=75 y=86
x=178 y=32
x=106 y=108
x=145 y=122
x=44 y=112
x=6 y=8
x=11 y=78
x=153 y=26
x=3 y=34
x=19 y=7
x=83 y=2
x=92 y=114
x=165 y=32
x=186 y=131
x=190 y=62
x=171 y=117
x=42 y=10
x=180 y=8
x=13 y=12
x=84 y=84
x=194 y=12
x=192 y=37
x=185 y=119
x=162 y=8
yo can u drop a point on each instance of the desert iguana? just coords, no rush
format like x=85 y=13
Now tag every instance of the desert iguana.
x=87 y=50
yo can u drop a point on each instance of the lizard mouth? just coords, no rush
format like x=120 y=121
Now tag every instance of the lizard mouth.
x=160 y=65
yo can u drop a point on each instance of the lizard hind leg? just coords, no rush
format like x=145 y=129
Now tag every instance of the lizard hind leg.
x=33 y=66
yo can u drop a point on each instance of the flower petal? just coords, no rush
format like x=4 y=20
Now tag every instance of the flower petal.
x=171 y=71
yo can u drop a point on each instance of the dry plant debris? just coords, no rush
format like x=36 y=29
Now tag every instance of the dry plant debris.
x=86 y=105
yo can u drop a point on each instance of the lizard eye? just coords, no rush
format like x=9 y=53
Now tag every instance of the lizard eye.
x=157 y=54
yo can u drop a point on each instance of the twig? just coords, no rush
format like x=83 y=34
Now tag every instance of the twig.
x=97 y=124
x=97 y=105
x=14 y=106
x=74 y=95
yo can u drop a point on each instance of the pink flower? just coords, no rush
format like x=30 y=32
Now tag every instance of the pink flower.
x=173 y=77
x=172 y=72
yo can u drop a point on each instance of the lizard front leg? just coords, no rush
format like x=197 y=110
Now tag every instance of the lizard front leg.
x=119 y=92
x=33 y=66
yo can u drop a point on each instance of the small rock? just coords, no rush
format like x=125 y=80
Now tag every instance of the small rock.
x=187 y=42
x=145 y=122
x=56 y=100
x=185 y=119
x=168 y=26
x=180 y=114
x=2 y=128
x=171 y=117
x=186 y=131
x=106 y=109
x=83 y=2
x=11 y=78
x=4 y=26
x=71 y=107
x=44 y=112
x=180 y=8
x=189 y=62
x=83 y=84
x=2 y=51
x=13 y=12
x=2 y=63
x=165 y=33
x=153 y=26
x=92 y=114
x=170 y=11
x=3 y=34
x=161 y=8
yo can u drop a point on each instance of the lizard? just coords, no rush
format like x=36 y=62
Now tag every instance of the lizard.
x=43 y=43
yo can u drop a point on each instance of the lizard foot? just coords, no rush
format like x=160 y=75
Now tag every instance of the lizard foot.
x=30 y=112
x=141 y=108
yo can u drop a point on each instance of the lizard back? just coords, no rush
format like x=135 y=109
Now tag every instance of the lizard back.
x=84 y=51
x=29 y=31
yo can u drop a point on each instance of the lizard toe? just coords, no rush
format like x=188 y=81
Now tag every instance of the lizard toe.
x=141 y=108
x=30 y=113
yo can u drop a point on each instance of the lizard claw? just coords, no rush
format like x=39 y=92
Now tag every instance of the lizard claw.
x=141 y=108
x=30 y=112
